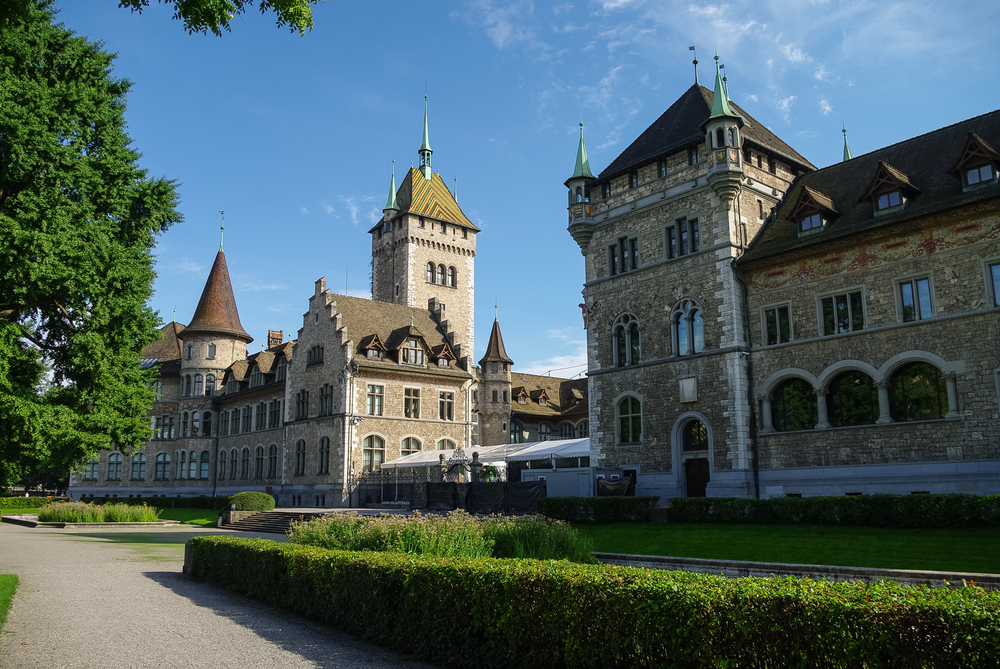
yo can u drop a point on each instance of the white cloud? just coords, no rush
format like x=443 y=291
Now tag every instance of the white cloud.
x=303 y=210
x=359 y=207
x=256 y=286
x=185 y=266
x=569 y=362
x=505 y=25
x=750 y=96
x=784 y=105
x=825 y=106
x=794 y=54
x=559 y=9
x=600 y=95
x=330 y=211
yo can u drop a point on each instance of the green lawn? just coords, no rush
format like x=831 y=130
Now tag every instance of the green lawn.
x=8 y=584
x=191 y=516
x=937 y=550
x=19 y=512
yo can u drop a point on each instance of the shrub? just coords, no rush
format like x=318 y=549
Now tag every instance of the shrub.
x=536 y=537
x=27 y=502
x=599 y=510
x=898 y=511
x=81 y=512
x=518 y=613
x=252 y=501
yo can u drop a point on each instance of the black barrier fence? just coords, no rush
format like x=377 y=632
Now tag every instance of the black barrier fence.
x=485 y=498
x=624 y=487
x=386 y=489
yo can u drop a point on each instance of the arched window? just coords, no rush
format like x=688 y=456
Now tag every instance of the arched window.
x=688 y=328
x=206 y=424
x=139 y=467
x=374 y=453
x=198 y=385
x=195 y=424
x=544 y=432
x=732 y=138
x=917 y=391
x=115 y=466
x=272 y=461
x=629 y=421
x=203 y=470
x=258 y=469
x=182 y=465
x=430 y=272
x=628 y=350
x=222 y=465
x=232 y=464
x=583 y=430
x=794 y=406
x=193 y=465
x=162 y=471
x=452 y=277
x=441 y=275
x=445 y=445
x=566 y=431
x=300 y=457
x=187 y=384
x=852 y=399
x=184 y=424
x=579 y=193
x=694 y=436
x=245 y=463
x=720 y=138
x=210 y=385
x=516 y=433
x=323 y=456
x=409 y=446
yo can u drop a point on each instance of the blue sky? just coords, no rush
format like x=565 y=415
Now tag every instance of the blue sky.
x=293 y=136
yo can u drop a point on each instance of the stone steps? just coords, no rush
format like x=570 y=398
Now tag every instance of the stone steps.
x=274 y=522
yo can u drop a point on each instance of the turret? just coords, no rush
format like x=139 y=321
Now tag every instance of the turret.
x=723 y=142
x=494 y=391
x=391 y=208
x=581 y=212
x=425 y=148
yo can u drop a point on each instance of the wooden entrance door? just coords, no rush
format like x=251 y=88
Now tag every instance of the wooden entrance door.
x=696 y=473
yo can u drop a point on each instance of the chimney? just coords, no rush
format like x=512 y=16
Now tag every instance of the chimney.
x=275 y=338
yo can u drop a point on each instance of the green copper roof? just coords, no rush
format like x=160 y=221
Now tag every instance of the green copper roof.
x=720 y=101
x=847 y=148
x=426 y=144
x=391 y=202
x=582 y=162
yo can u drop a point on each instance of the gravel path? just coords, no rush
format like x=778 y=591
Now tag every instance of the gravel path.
x=103 y=602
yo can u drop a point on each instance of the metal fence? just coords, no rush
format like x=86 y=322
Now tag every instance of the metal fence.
x=385 y=488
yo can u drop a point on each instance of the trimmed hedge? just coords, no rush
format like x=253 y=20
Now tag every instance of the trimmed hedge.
x=598 y=510
x=28 y=502
x=900 y=511
x=164 y=502
x=527 y=613
x=252 y=501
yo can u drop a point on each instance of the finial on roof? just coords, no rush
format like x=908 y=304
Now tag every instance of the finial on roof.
x=425 y=147
x=455 y=194
x=847 y=148
x=411 y=319
x=720 y=100
x=695 y=62
x=582 y=168
x=391 y=202
x=222 y=229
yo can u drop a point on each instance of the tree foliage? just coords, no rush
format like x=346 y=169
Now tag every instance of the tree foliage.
x=202 y=16
x=78 y=221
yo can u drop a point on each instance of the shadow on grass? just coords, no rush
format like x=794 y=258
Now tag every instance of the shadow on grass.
x=317 y=643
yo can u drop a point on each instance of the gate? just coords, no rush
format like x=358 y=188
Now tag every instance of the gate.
x=385 y=488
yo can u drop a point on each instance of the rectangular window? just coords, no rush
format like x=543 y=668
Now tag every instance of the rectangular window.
x=314 y=355
x=661 y=168
x=979 y=175
x=247 y=419
x=778 y=325
x=843 y=313
x=888 y=201
x=671 y=242
x=412 y=353
x=446 y=403
x=606 y=190
x=633 y=179
x=274 y=414
x=613 y=260
x=809 y=223
x=693 y=156
x=260 y=421
x=623 y=256
x=915 y=299
x=772 y=166
x=496 y=396
x=683 y=237
x=302 y=405
x=375 y=394
x=326 y=400
x=994 y=278
x=411 y=402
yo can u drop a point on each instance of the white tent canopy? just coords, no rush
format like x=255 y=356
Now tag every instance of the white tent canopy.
x=539 y=450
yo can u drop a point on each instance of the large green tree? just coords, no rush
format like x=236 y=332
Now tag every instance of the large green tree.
x=78 y=222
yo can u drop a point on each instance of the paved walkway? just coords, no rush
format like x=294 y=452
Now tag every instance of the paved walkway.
x=117 y=598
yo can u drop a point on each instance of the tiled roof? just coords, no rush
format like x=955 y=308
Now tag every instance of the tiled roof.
x=167 y=347
x=430 y=198
x=216 y=312
x=564 y=397
x=680 y=127
x=495 y=351
x=925 y=163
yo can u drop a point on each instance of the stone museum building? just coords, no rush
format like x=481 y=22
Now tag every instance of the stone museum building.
x=760 y=327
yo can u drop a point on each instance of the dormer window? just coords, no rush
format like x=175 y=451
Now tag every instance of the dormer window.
x=810 y=223
x=812 y=211
x=256 y=378
x=442 y=362
x=279 y=374
x=412 y=353
x=887 y=201
x=978 y=176
x=372 y=353
x=232 y=386
x=542 y=401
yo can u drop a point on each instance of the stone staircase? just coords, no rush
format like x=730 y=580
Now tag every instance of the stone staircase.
x=274 y=522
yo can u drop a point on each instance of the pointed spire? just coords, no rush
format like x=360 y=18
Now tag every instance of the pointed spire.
x=425 y=147
x=216 y=312
x=582 y=162
x=495 y=351
x=847 y=148
x=695 y=63
x=720 y=101
x=391 y=202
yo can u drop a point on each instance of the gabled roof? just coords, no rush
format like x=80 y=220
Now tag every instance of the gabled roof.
x=495 y=351
x=924 y=162
x=811 y=200
x=167 y=347
x=216 y=312
x=564 y=398
x=428 y=197
x=975 y=153
x=680 y=127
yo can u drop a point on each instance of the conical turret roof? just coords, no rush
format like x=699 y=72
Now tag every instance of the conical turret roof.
x=495 y=352
x=216 y=312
